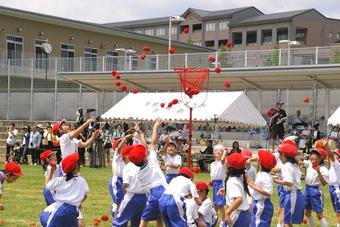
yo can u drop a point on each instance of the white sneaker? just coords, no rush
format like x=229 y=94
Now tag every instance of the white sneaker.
x=35 y=164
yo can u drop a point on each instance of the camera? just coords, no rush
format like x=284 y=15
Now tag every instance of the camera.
x=99 y=124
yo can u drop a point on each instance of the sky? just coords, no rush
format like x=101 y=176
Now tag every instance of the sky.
x=106 y=11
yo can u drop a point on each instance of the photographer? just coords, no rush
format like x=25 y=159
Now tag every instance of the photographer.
x=11 y=139
x=80 y=117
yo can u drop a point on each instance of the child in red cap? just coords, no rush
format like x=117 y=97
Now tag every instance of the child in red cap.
x=206 y=210
x=69 y=191
x=262 y=210
x=237 y=213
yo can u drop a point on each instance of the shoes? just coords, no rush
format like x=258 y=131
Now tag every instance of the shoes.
x=35 y=164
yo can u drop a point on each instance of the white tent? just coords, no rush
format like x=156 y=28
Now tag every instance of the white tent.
x=334 y=119
x=231 y=107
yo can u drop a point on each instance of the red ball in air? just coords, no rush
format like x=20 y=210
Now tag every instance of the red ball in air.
x=174 y=101
x=218 y=69
x=162 y=105
x=186 y=30
x=113 y=72
x=169 y=105
x=123 y=87
x=171 y=50
x=142 y=56
x=306 y=100
x=117 y=76
x=229 y=44
x=146 y=48
x=226 y=84
x=212 y=58
x=118 y=83
x=134 y=91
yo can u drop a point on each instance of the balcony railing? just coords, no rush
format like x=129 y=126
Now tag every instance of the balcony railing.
x=249 y=59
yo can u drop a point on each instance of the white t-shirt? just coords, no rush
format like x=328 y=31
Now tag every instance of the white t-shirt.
x=72 y=191
x=68 y=146
x=181 y=186
x=130 y=176
x=117 y=165
x=55 y=174
x=191 y=212
x=334 y=173
x=278 y=164
x=291 y=173
x=235 y=189
x=265 y=181
x=207 y=211
x=218 y=170
x=151 y=174
x=251 y=172
x=312 y=177
x=12 y=137
x=172 y=160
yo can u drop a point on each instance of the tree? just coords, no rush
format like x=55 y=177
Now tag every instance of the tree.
x=274 y=57
x=189 y=41
x=223 y=57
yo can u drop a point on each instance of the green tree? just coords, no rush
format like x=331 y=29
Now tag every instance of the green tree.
x=189 y=41
x=274 y=57
x=223 y=57
x=336 y=57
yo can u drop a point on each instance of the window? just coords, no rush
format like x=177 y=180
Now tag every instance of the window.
x=197 y=43
x=210 y=43
x=139 y=31
x=149 y=32
x=338 y=35
x=173 y=30
x=160 y=31
x=222 y=42
x=67 y=57
x=237 y=38
x=224 y=25
x=90 y=55
x=41 y=58
x=282 y=34
x=267 y=36
x=251 y=37
x=151 y=63
x=210 y=27
x=301 y=35
x=14 y=49
x=330 y=35
x=111 y=60
x=196 y=27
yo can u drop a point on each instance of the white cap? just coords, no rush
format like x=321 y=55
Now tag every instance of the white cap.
x=219 y=147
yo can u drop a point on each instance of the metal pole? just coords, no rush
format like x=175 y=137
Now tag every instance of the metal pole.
x=80 y=99
x=103 y=66
x=32 y=79
x=46 y=66
x=190 y=137
x=288 y=57
x=157 y=62
x=245 y=59
x=186 y=60
x=169 y=46
x=280 y=57
x=8 y=87
x=55 y=90
x=316 y=55
x=314 y=102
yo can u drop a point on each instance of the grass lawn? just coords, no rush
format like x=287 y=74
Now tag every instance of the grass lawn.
x=23 y=200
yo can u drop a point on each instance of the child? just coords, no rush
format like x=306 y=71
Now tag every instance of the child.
x=171 y=203
x=237 y=213
x=291 y=175
x=172 y=161
x=206 y=211
x=69 y=191
x=49 y=160
x=218 y=171
x=262 y=210
x=317 y=176
x=334 y=180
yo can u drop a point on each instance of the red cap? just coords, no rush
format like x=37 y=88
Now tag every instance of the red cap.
x=126 y=150
x=45 y=154
x=56 y=126
x=137 y=154
x=218 y=69
x=266 y=159
x=289 y=150
x=13 y=168
x=186 y=171
x=69 y=163
x=246 y=153
x=291 y=142
x=321 y=152
x=201 y=185
x=236 y=161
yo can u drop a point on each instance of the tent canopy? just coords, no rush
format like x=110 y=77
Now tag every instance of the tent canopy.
x=231 y=107
x=334 y=119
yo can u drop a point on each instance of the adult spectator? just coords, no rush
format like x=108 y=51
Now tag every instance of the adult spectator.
x=298 y=120
x=334 y=135
x=276 y=124
x=208 y=151
x=235 y=148
x=12 y=133
x=118 y=132
x=35 y=140
x=25 y=144
x=47 y=139
x=316 y=133
x=305 y=139
x=81 y=150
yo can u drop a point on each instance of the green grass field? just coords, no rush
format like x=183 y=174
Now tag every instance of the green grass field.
x=23 y=200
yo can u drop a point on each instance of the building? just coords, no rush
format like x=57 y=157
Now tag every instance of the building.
x=247 y=28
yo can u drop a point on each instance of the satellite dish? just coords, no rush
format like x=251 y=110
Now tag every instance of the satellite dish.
x=47 y=47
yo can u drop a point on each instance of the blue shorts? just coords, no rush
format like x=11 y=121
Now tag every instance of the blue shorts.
x=262 y=213
x=313 y=198
x=65 y=215
x=130 y=209
x=334 y=191
x=242 y=218
x=170 y=176
x=173 y=211
x=151 y=211
x=293 y=207
x=48 y=196
x=116 y=189
x=281 y=194
x=219 y=200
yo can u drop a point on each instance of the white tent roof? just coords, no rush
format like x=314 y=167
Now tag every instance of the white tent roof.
x=231 y=107
x=334 y=119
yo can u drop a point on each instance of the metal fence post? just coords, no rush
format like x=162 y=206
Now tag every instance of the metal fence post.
x=80 y=64
x=80 y=99
x=186 y=60
x=280 y=57
x=103 y=63
x=245 y=58
x=55 y=91
x=157 y=62
x=316 y=55
x=31 y=91
x=216 y=59
x=130 y=62
x=8 y=88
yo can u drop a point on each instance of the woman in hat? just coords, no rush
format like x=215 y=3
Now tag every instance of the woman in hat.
x=262 y=210
x=69 y=191
x=291 y=175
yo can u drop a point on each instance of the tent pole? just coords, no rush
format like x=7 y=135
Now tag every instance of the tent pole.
x=190 y=137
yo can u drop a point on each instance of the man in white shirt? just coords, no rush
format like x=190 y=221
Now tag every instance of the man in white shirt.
x=11 y=139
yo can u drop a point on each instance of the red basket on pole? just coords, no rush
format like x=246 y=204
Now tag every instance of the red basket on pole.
x=192 y=83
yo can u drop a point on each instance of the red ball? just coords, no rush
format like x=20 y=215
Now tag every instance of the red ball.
x=186 y=30
x=113 y=72
x=118 y=83
x=162 y=105
x=171 y=50
x=123 y=87
x=269 y=113
x=218 y=69
x=142 y=56
x=117 y=76
x=174 y=101
x=134 y=91
x=227 y=84
x=169 y=105
x=229 y=44
x=104 y=218
x=146 y=48
x=212 y=58
x=195 y=91
x=306 y=100
x=196 y=169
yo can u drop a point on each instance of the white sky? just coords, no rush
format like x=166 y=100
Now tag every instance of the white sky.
x=106 y=11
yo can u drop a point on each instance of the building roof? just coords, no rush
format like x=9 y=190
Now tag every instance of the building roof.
x=139 y=23
x=269 y=18
x=203 y=14
x=91 y=27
